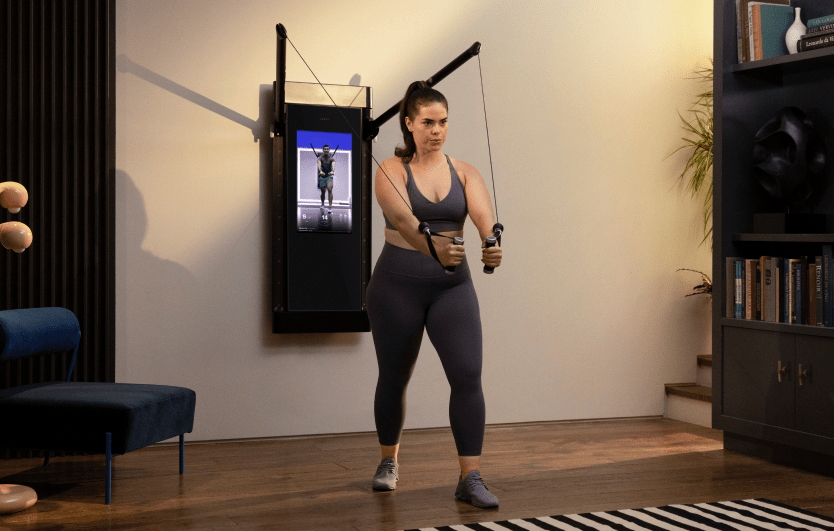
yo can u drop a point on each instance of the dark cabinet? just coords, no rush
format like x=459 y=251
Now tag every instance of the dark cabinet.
x=779 y=379
x=815 y=385
x=759 y=377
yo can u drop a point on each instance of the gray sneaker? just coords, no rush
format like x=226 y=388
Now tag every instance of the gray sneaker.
x=387 y=474
x=472 y=490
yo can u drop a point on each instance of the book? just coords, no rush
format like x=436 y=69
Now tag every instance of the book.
x=750 y=288
x=796 y=291
x=739 y=289
x=812 y=294
x=758 y=287
x=776 y=268
x=828 y=307
x=814 y=42
x=739 y=33
x=821 y=30
x=790 y=290
x=742 y=27
x=819 y=21
x=730 y=285
x=767 y=286
x=768 y=25
x=804 y=317
x=818 y=297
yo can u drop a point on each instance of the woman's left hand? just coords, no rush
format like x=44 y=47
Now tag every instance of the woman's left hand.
x=491 y=255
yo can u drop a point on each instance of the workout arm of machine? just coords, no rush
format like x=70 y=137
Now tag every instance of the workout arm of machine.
x=398 y=213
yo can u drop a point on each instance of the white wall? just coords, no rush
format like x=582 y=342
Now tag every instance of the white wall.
x=587 y=316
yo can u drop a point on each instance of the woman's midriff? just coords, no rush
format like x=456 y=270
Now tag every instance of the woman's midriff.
x=395 y=238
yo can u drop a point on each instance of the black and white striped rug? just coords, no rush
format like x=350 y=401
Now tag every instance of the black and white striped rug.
x=743 y=515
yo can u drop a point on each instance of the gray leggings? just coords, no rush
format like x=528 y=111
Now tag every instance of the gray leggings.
x=408 y=292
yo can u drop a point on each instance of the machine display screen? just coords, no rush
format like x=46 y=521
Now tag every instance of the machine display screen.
x=324 y=193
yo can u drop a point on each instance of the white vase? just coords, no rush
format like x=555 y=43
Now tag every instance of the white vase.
x=796 y=31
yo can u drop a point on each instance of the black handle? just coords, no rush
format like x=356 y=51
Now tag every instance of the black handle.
x=490 y=242
x=450 y=270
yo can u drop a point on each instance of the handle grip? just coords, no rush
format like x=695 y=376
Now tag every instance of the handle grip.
x=450 y=270
x=490 y=242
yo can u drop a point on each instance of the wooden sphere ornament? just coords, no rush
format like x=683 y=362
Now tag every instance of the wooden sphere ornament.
x=14 y=498
x=16 y=236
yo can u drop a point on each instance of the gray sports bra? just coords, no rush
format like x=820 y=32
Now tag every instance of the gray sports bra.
x=447 y=214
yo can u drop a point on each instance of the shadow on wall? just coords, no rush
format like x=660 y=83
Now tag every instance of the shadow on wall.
x=126 y=66
x=163 y=323
x=168 y=289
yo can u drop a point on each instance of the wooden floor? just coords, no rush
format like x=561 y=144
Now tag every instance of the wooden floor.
x=324 y=483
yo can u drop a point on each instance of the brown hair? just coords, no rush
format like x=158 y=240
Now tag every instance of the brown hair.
x=417 y=95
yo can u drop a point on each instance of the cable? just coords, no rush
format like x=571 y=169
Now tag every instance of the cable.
x=339 y=109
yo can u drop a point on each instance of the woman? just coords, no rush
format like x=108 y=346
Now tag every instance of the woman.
x=410 y=291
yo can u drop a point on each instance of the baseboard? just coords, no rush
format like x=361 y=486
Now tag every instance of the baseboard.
x=509 y=425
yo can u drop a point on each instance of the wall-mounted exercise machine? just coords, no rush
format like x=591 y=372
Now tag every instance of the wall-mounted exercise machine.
x=321 y=200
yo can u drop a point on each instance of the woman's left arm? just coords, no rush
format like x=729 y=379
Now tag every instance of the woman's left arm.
x=480 y=210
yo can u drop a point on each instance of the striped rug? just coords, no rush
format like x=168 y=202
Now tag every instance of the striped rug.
x=744 y=515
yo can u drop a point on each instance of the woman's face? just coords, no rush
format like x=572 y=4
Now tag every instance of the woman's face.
x=429 y=127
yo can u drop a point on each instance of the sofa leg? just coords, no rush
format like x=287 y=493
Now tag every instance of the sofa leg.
x=109 y=463
x=182 y=453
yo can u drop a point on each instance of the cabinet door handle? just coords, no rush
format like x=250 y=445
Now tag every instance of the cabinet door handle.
x=802 y=374
x=781 y=370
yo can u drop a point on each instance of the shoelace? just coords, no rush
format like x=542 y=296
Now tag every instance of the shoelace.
x=475 y=481
x=389 y=467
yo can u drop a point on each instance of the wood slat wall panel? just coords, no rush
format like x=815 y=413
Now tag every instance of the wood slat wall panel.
x=57 y=138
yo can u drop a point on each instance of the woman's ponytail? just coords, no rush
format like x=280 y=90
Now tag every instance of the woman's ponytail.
x=417 y=94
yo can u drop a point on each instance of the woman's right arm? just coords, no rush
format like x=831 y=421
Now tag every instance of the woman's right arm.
x=399 y=214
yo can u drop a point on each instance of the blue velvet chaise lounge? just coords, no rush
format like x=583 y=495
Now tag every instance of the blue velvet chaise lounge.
x=85 y=417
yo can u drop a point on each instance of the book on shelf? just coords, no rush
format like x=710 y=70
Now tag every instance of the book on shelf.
x=743 y=26
x=818 y=297
x=778 y=299
x=739 y=289
x=814 y=42
x=811 y=273
x=750 y=289
x=798 y=308
x=821 y=30
x=805 y=291
x=819 y=22
x=730 y=285
x=764 y=288
x=774 y=289
x=768 y=25
x=827 y=285
x=790 y=286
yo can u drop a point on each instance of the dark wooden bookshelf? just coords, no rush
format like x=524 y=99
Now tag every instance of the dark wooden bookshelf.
x=786 y=64
x=751 y=400
x=786 y=328
x=784 y=238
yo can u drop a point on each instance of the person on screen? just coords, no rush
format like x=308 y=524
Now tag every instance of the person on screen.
x=326 y=170
x=409 y=291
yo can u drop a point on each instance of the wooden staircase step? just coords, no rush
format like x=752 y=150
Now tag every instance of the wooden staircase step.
x=690 y=390
x=705 y=361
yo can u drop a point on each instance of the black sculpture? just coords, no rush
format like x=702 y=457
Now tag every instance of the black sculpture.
x=789 y=156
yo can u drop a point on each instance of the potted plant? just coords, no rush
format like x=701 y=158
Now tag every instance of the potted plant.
x=697 y=174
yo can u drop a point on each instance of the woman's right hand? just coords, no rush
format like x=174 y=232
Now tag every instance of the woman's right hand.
x=448 y=253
